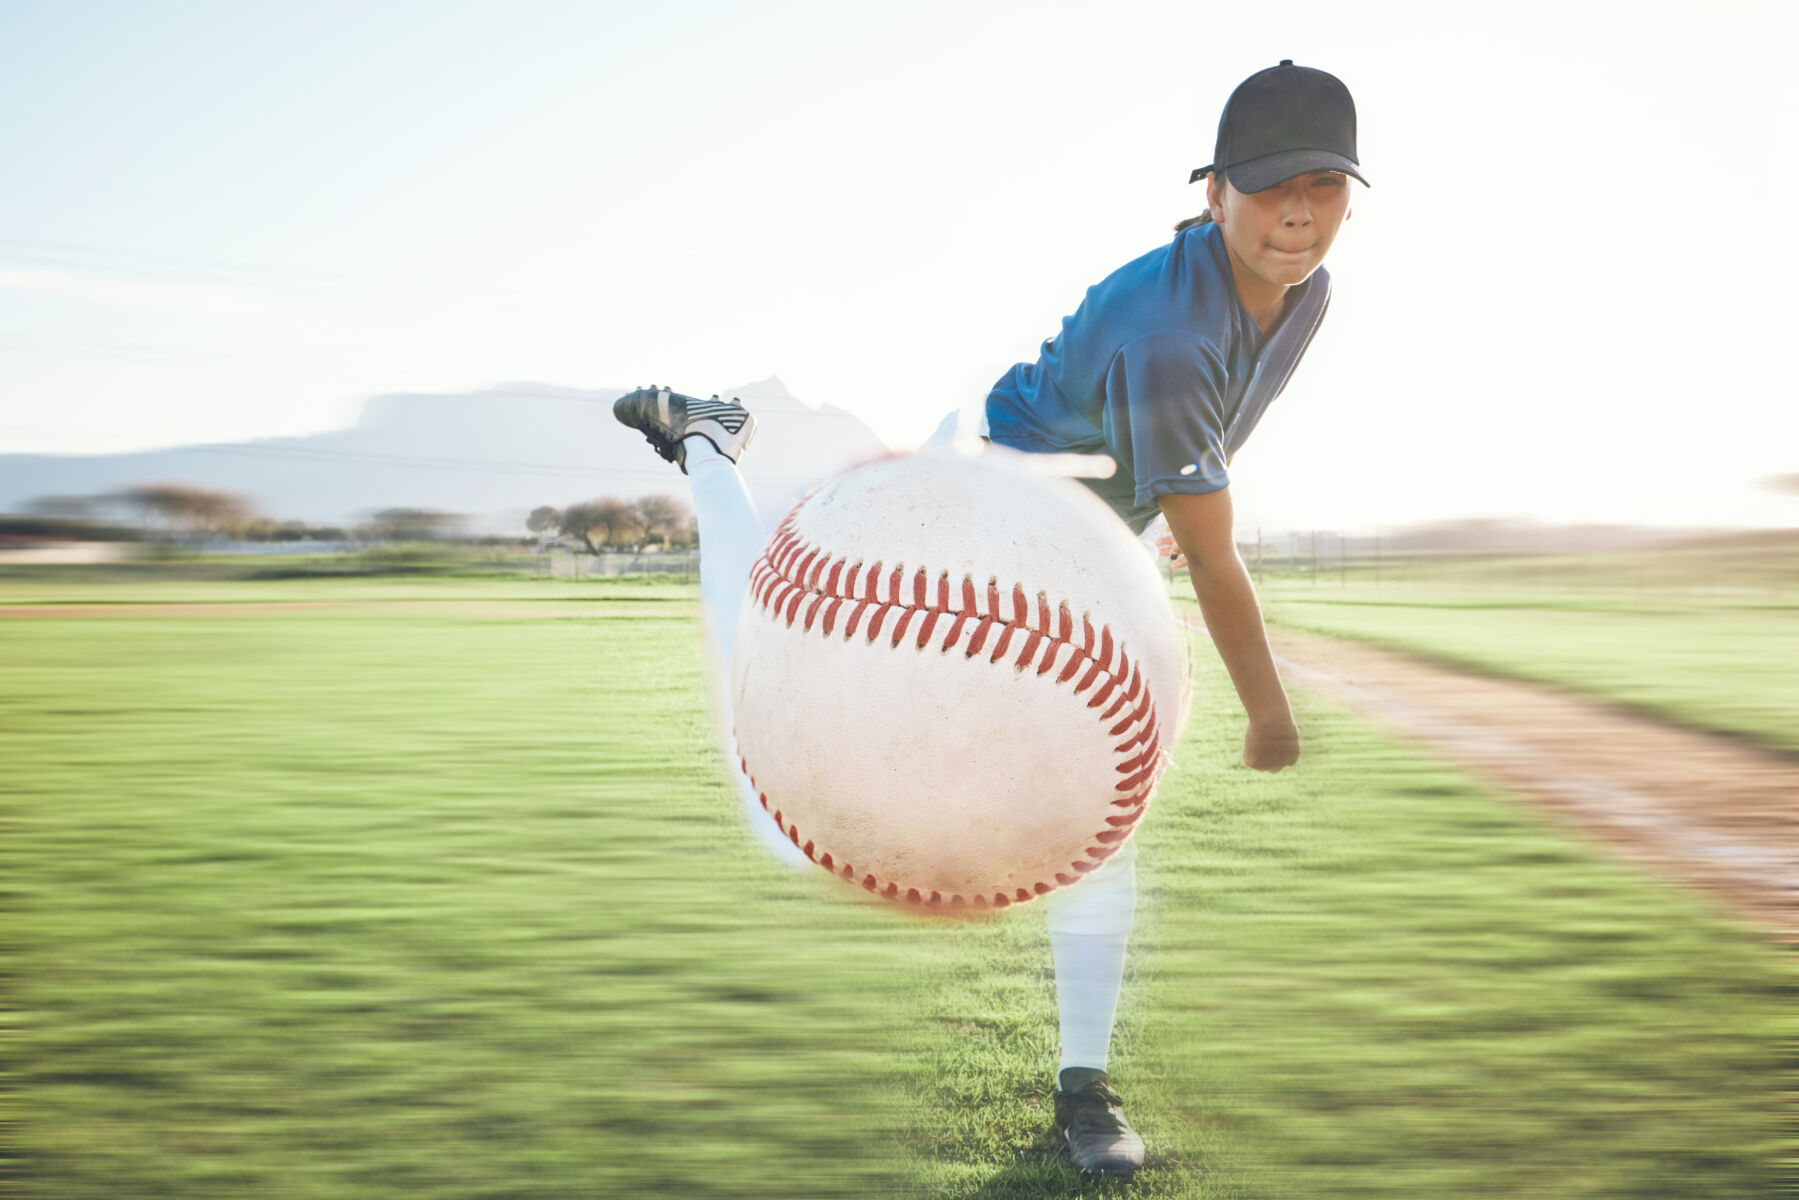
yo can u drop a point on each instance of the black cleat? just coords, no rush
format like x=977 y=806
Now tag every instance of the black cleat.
x=665 y=418
x=1091 y=1117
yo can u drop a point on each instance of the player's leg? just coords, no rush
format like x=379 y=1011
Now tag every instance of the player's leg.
x=705 y=438
x=1089 y=929
x=731 y=533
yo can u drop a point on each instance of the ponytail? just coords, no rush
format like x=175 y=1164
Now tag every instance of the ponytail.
x=1206 y=216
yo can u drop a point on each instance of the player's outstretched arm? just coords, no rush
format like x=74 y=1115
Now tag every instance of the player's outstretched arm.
x=1227 y=599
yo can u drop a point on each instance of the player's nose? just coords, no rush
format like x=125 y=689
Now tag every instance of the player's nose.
x=1298 y=214
x=1296 y=211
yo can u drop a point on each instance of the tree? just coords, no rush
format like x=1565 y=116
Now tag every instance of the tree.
x=220 y=512
x=663 y=518
x=543 y=519
x=413 y=524
x=164 y=502
x=185 y=509
x=613 y=519
x=619 y=519
x=577 y=521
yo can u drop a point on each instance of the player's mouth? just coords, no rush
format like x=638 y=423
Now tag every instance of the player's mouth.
x=1284 y=250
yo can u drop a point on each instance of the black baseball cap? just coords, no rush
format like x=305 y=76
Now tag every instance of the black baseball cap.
x=1284 y=122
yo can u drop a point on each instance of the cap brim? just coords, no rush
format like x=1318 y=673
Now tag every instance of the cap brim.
x=1272 y=170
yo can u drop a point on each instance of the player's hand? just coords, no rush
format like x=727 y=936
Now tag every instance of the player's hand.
x=1271 y=745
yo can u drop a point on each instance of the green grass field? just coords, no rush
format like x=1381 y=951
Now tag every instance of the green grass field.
x=1720 y=662
x=436 y=890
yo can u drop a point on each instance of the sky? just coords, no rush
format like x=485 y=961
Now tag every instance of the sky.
x=1565 y=298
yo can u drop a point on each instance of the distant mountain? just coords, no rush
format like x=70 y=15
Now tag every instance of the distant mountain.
x=493 y=455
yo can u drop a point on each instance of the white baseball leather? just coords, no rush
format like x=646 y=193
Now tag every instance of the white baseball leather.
x=956 y=681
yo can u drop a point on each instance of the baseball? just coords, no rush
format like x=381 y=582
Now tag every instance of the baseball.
x=956 y=680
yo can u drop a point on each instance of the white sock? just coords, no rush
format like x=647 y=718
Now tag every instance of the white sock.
x=731 y=537
x=1089 y=928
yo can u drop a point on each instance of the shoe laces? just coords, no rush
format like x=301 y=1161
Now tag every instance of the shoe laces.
x=1095 y=1108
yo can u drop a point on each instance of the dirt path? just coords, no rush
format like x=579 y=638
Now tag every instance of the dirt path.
x=1711 y=812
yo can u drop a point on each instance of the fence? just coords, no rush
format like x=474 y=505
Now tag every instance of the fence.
x=1760 y=562
x=681 y=566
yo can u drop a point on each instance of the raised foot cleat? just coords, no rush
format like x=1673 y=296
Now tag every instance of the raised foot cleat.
x=666 y=419
x=1091 y=1117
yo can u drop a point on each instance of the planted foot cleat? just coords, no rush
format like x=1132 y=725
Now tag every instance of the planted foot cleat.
x=1091 y=1117
x=666 y=419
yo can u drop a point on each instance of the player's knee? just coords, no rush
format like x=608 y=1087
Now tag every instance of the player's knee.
x=1102 y=905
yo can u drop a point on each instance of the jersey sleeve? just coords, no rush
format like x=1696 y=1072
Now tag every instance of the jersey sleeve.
x=1164 y=415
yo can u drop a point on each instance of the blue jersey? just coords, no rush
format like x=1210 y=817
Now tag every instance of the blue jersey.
x=1162 y=369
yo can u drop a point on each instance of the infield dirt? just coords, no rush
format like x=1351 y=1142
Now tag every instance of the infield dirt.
x=1710 y=811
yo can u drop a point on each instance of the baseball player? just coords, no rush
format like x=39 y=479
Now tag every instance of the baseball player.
x=1166 y=367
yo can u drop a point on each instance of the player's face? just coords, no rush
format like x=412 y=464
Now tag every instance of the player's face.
x=1279 y=236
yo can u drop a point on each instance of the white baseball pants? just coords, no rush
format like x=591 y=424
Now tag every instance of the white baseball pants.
x=1089 y=925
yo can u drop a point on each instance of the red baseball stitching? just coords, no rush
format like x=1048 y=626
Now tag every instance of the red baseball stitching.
x=795 y=581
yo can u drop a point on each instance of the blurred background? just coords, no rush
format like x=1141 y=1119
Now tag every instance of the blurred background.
x=1562 y=300
x=366 y=836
